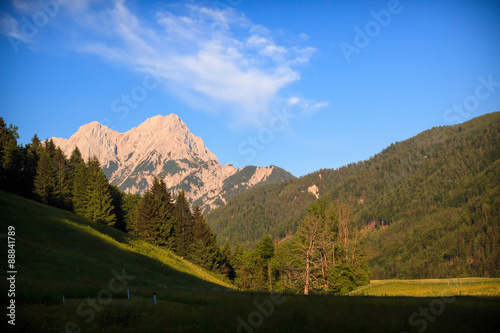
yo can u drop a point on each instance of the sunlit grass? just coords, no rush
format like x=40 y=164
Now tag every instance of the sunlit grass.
x=432 y=287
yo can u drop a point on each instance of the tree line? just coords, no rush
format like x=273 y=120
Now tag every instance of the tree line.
x=428 y=206
x=322 y=257
x=41 y=171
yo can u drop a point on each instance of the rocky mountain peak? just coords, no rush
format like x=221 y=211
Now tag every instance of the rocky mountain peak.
x=163 y=146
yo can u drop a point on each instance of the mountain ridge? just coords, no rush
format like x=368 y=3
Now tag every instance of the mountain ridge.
x=433 y=191
x=163 y=146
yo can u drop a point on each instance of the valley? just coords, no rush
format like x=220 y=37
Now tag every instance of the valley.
x=253 y=267
x=81 y=264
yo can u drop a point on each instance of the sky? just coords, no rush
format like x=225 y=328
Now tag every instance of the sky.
x=302 y=85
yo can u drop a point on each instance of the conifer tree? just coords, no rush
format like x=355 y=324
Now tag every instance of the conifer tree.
x=147 y=229
x=130 y=212
x=99 y=205
x=79 y=180
x=227 y=259
x=226 y=251
x=63 y=187
x=117 y=201
x=10 y=157
x=237 y=257
x=265 y=250
x=30 y=156
x=203 y=249
x=184 y=234
x=75 y=158
x=45 y=179
x=50 y=147
x=156 y=222
x=164 y=213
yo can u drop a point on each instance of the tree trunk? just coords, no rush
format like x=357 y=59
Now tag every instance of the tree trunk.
x=306 y=287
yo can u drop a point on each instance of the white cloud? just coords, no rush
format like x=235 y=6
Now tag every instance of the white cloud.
x=213 y=59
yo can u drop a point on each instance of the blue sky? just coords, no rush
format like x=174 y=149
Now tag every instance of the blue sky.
x=303 y=85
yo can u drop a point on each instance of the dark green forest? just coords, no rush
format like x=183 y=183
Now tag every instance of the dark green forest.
x=427 y=207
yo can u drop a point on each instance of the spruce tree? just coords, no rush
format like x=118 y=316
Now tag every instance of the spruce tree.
x=79 y=180
x=204 y=249
x=75 y=158
x=227 y=258
x=31 y=156
x=50 y=147
x=63 y=185
x=164 y=213
x=10 y=157
x=45 y=179
x=155 y=221
x=146 y=221
x=99 y=205
x=118 y=203
x=185 y=224
x=237 y=259
x=130 y=212
x=226 y=251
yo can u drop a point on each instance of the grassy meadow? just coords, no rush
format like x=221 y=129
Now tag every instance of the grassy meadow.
x=431 y=287
x=59 y=253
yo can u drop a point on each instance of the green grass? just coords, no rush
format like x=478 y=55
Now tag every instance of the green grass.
x=219 y=312
x=432 y=287
x=59 y=253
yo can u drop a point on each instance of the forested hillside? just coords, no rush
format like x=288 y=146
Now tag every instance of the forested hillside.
x=429 y=206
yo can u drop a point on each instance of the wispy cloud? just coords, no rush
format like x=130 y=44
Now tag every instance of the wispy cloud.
x=212 y=59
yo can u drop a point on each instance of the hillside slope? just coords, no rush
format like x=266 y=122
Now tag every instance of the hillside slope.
x=441 y=186
x=60 y=253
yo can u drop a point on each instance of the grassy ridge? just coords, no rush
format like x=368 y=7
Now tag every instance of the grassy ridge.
x=58 y=253
x=431 y=287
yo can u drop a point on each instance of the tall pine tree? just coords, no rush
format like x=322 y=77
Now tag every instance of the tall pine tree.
x=99 y=205
x=63 y=184
x=184 y=234
x=130 y=212
x=31 y=155
x=79 y=181
x=155 y=221
x=204 y=249
x=45 y=180
x=10 y=157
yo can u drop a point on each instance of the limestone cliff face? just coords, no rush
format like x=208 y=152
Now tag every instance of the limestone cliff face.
x=163 y=146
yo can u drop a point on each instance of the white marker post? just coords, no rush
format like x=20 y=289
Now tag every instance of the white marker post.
x=154 y=298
